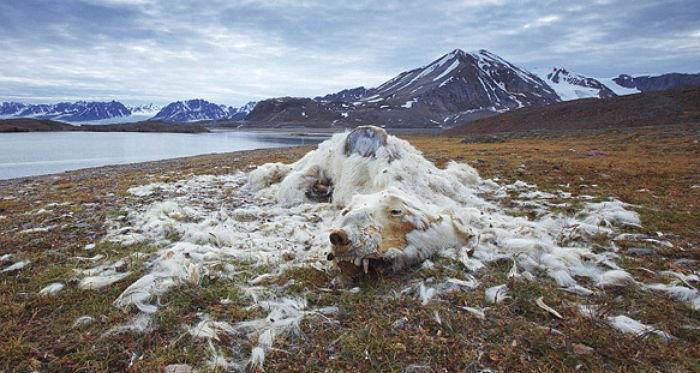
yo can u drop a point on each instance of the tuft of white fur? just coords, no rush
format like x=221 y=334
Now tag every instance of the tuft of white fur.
x=682 y=293
x=478 y=312
x=52 y=288
x=609 y=214
x=83 y=320
x=425 y=294
x=283 y=318
x=578 y=290
x=138 y=324
x=471 y=283
x=686 y=279
x=17 y=266
x=208 y=328
x=100 y=281
x=615 y=278
x=147 y=190
x=623 y=323
x=466 y=174
x=266 y=175
x=631 y=326
x=496 y=294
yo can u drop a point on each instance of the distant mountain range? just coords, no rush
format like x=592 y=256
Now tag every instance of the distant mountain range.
x=455 y=88
x=66 y=111
x=82 y=112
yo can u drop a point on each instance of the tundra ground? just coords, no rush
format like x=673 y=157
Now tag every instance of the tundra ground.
x=655 y=169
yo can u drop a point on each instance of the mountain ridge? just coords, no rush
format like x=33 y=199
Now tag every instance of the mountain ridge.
x=457 y=86
x=651 y=108
x=111 y=112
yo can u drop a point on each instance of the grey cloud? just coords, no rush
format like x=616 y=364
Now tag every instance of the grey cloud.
x=234 y=51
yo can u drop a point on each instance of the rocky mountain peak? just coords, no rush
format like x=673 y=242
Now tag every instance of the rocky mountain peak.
x=451 y=89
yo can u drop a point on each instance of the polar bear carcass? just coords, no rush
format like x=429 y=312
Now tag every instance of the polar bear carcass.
x=394 y=207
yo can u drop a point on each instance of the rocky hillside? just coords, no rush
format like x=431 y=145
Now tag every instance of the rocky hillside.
x=679 y=105
x=33 y=125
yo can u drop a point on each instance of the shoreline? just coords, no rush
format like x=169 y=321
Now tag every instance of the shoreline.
x=166 y=163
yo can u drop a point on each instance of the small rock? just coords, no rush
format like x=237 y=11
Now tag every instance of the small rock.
x=35 y=242
x=483 y=139
x=398 y=324
x=178 y=368
x=640 y=251
x=288 y=256
x=596 y=153
x=581 y=349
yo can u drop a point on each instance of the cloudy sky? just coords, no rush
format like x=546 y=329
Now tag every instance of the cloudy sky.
x=231 y=52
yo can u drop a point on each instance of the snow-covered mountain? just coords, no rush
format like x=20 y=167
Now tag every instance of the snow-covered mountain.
x=573 y=86
x=83 y=112
x=138 y=113
x=198 y=109
x=79 y=111
x=238 y=113
x=149 y=110
x=456 y=87
x=191 y=110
